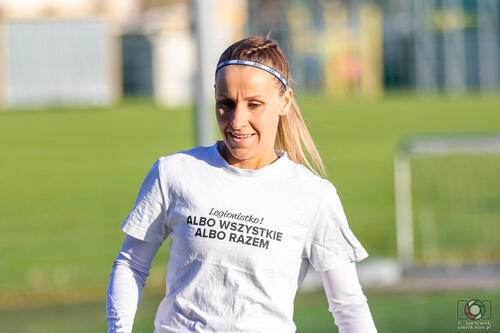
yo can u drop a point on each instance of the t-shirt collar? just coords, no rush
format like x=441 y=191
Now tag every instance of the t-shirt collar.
x=273 y=168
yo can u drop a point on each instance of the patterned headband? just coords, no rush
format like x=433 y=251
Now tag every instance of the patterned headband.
x=253 y=64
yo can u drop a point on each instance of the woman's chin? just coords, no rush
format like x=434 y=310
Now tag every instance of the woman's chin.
x=239 y=154
x=240 y=150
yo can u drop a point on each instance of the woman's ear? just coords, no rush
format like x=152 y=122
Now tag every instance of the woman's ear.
x=286 y=102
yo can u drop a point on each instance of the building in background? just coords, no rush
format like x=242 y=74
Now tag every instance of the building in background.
x=83 y=52
x=332 y=46
x=449 y=46
x=60 y=52
x=96 y=51
x=361 y=47
x=74 y=63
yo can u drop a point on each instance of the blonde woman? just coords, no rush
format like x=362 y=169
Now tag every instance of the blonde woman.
x=246 y=216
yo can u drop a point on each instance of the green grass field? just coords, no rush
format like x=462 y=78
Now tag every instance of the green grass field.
x=69 y=177
x=393 y=313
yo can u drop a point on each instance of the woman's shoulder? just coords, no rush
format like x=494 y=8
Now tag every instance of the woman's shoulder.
x=189 y=162
x=308 y=178
x=183 y=156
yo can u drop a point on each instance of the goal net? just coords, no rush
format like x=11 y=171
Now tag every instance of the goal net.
x=448 y=200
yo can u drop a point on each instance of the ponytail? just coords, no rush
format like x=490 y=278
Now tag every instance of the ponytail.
x=294 y=138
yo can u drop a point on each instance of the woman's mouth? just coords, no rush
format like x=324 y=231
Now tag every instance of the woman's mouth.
x=240 y=138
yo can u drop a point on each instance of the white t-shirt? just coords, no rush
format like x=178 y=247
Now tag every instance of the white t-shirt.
x=241 y=240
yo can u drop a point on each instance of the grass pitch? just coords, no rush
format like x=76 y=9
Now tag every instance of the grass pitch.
x=393 y=313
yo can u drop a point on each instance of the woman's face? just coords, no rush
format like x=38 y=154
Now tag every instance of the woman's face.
x=248 y=107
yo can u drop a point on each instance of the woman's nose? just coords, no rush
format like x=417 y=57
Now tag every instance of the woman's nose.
x=239 y=116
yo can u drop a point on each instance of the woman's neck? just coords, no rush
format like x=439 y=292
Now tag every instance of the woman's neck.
x=251 y=164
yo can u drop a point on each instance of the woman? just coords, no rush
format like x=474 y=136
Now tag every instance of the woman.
x=245 y=219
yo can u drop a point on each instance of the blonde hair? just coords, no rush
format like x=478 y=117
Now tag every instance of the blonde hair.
x=292 y=135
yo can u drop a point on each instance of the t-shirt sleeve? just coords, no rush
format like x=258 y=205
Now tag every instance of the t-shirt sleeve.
x=331 y=241
x=147 y=220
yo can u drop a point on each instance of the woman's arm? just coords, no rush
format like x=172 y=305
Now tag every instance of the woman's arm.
x=128 y=277
x=346 y=300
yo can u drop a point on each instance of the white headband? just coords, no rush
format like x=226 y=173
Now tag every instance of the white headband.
x=253 y=64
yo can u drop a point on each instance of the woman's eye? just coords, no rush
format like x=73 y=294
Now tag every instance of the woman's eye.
x=226 y=103
x=254 y=105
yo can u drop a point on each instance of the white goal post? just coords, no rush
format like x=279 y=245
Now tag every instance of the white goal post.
x=481 y=150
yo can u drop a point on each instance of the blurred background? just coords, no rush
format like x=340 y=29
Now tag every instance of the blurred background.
x=402 y=99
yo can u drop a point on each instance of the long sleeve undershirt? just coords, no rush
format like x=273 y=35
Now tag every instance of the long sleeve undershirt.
x=346 y=300
x=128 y=277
